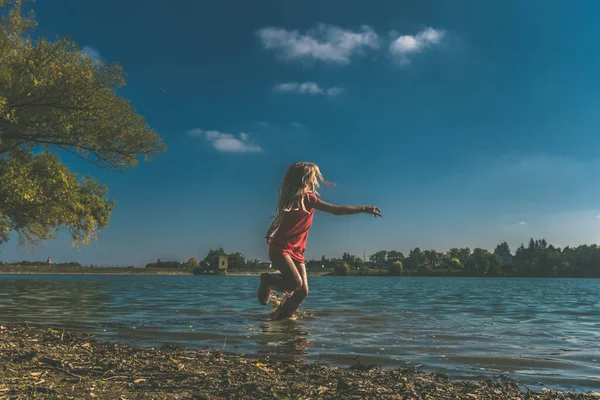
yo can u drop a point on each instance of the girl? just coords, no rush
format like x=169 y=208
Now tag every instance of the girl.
x=287 y=234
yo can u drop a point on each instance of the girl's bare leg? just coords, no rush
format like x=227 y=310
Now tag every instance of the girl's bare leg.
x=274 y=281
x=292 y=304
x=288 y=281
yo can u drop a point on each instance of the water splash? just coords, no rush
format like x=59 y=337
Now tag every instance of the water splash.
x=277 y=302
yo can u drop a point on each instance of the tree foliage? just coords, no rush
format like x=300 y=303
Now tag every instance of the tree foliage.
x=415 y=259
x=342 y=269
x=165 y=264
x=237 y=261
x=212 y=258
x=53 y=99
x=353 y=261
x=379 y=258
x=393 y=256
x=538 y=259
x=192 y=262
x=502 y=248
x=396 y=268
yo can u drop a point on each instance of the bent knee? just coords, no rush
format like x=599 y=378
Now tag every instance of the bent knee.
x=293 y=285
x=298 y=285
x=303 y=290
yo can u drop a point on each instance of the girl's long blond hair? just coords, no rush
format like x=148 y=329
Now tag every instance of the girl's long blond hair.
x=300 y=179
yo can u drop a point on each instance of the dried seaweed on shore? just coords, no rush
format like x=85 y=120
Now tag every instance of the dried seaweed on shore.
x=43 y=363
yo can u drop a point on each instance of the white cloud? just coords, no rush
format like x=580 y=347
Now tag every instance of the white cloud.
x=227 y=142
x=326 y=43
x=92 y=54
x=334 y=91
x=307 y=88
x=405 y=45
x=522 y=223
x=297 y=125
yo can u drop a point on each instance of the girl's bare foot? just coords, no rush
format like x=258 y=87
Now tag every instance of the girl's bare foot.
x=263 y=293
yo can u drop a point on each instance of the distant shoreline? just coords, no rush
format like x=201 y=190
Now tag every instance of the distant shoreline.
x=125 y=273
x=130 y=271
x=93 y=273
x=80 y=270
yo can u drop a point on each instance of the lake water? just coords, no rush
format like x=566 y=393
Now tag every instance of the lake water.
x=532 y=330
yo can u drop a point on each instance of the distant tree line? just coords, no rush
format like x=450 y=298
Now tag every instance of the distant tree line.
x=40 y=264
x=537 y=259
x=211 y=261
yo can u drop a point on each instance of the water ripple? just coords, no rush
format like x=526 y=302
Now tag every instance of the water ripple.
x=529 y=329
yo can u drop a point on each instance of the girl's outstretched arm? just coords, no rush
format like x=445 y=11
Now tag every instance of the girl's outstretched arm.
x=347 y=210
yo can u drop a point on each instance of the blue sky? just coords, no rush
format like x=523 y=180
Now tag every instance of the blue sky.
x=467 y=122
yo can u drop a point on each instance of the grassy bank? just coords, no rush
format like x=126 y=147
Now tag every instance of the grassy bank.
x=254 y=272
x=39 y=363
x=49 y=269
x=374 y=272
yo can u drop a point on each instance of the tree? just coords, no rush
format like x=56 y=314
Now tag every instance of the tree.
x=393 y=256
x=454 y=253
x=55 y=101
x=494 y=264
x=353 y=260
x=415 y=259
x=342 y=269
x=396 y=268
x=212 y=258
x=357 y=262
x=454 y=264
x=432 y=257
x=379 y=258
x=253 y=264
x=520 y=254
x=502 y=249
x=237 y=261
x=465 y=253
x=479 y=261
x=551 y=263
x=165 y=264
x=192 y=263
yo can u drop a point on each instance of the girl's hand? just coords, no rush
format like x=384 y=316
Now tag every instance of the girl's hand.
x=376 y=211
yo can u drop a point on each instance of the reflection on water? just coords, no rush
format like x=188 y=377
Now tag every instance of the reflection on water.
x=529 y=329
x=282 y=339
x=55 y=302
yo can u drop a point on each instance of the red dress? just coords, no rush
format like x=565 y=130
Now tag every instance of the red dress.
x=290 y=238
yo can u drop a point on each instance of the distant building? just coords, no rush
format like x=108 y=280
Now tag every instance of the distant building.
x=223 y=262
x=48 y=261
